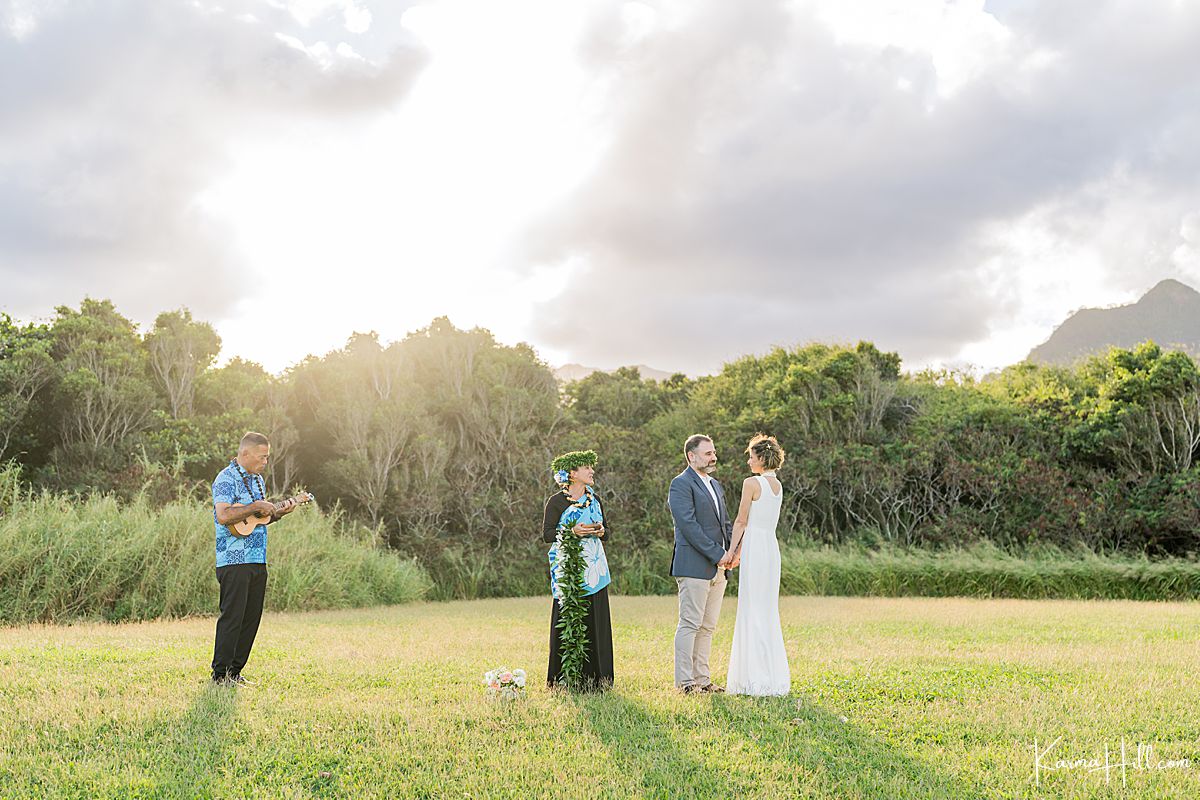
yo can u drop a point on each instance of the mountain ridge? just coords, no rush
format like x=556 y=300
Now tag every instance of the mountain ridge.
x=1168 y=314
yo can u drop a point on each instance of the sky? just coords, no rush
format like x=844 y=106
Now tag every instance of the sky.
x=667 y=183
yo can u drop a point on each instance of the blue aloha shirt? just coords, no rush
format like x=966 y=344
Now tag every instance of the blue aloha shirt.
x=595 y=563
x=230 y=488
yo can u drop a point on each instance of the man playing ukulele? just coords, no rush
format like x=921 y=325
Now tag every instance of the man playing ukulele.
x=239 y=494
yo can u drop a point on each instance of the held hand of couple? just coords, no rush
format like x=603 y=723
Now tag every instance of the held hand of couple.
x=730 y=560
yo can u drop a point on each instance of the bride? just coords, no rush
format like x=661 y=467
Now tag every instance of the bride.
x=758 y=663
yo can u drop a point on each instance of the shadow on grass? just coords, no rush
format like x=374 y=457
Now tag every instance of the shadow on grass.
x=196 y=744
x=645 y=748
x=829 y=757
x=743 y=746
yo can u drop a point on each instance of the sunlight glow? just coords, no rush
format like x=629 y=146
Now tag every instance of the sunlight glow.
x=387 y=224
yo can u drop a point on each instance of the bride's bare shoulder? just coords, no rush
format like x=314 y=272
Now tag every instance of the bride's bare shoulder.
x=751 y=487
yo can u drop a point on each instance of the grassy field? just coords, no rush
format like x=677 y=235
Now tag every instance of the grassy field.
x=892 y=698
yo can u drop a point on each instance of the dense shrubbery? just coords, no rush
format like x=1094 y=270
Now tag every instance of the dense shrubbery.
x=441 y=442
x=103 y=559
x=1096 y=457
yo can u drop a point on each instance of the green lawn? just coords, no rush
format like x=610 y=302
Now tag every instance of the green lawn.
x=892 y=698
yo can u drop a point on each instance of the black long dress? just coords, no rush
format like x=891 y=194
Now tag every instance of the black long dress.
x=598 y=667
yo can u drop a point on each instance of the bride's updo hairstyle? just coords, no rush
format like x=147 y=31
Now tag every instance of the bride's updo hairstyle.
x=768 y=450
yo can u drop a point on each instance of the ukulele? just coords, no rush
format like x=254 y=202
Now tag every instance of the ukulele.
x=246 y=527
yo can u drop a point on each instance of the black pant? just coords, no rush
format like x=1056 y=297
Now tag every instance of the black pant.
x=243 y=588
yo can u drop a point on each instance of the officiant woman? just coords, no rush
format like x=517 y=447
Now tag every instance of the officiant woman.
x=575 y=511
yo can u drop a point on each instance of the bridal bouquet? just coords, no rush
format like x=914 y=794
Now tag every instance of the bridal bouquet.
x=504 y=683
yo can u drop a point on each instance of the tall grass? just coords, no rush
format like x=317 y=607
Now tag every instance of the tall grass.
x=882 y=570
x=982 y=570
x=64 y=559
x=986 y=571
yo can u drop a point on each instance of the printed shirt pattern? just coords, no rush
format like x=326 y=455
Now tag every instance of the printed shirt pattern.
x=230 y=488
x=595 y=563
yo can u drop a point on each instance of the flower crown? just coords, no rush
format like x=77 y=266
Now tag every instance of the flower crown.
x=563 y=465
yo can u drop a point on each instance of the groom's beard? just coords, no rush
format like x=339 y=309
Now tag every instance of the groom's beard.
x=710 y=469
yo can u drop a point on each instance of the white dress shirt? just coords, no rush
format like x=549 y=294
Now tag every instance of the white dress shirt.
x=708 y=481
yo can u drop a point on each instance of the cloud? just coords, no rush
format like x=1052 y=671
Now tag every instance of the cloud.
x=777 y=173
x=122 y=114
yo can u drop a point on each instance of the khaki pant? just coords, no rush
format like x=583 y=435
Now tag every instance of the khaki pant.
x=699 y=608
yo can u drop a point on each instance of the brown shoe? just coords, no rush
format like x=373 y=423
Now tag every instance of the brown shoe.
x=691 y=688
x=712 y=688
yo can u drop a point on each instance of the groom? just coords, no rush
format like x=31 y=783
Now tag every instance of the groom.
x=702 y=538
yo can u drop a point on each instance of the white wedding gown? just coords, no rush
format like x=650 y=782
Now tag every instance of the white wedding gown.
x=758 y=663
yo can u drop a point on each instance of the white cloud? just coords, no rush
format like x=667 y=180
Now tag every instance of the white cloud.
x=961 y=40
x=358 y=19
x=946 y=178
x=1186 y=255
x=921 y=174
x=124 y=115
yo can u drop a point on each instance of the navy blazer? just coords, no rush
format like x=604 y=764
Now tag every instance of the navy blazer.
x=702 y=533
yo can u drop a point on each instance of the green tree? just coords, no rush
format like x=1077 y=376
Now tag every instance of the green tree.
x=623 y=398
x=104 y=390
x=25 y=370
x=180 y=349
x=1141 y=411
x=496 y=410
x=237 y=384
x=370 y=406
